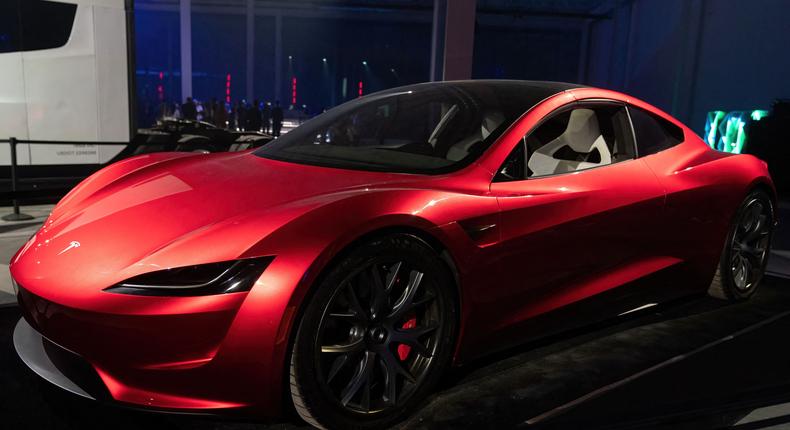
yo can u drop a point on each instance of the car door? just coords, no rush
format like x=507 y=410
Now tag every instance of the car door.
x=578 y=212
x=700 y=200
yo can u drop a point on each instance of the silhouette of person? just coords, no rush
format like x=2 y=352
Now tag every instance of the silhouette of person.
x=277 y=119
x=266 y=117
x=189 y=109
x=241 y=115
x=254 y=117
x=208 y=110
x=220 y=115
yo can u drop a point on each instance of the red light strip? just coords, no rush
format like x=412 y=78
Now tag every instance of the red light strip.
x=293 y=90
x=160 y=88
x=227 y=88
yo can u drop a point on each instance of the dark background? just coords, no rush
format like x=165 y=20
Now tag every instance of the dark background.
x=687 y=57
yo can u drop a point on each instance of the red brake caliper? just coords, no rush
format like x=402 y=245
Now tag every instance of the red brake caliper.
x=403 y=350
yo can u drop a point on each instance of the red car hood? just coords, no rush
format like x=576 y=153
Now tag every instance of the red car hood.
x=160 y=211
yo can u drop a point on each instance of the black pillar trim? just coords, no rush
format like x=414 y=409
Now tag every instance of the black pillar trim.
x=131 y=68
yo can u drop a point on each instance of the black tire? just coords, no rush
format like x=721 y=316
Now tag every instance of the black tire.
x=416 y=287
x=745 y=254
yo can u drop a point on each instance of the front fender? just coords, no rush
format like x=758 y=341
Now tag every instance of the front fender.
x=307 y=244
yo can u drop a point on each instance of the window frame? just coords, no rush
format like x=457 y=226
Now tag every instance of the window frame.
x=657 y=118
x=27 y=14
x=512 y=99
x=564 y=108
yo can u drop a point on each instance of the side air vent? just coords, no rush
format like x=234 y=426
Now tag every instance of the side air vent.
x=483 y=230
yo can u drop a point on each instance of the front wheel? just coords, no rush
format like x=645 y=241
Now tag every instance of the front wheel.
x=746 y=249
x=376 y=336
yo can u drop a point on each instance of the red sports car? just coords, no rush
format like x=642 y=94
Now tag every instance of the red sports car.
x=344 y=266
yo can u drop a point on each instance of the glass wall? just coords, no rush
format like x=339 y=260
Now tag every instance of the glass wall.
x=333 y=59
x=157 y=63
x=325 y=61
x=263 y=84
x=219 y=46
x=334 y=54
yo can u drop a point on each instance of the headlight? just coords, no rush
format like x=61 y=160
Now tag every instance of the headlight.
x=200 y=280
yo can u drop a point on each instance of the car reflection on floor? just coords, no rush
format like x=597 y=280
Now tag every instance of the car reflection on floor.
x=698 y=363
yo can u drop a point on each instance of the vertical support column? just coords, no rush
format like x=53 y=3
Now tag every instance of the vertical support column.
x=278 y=56
x=250 y=50
x=686 y=79
x=185 y=15
x=453 y=35
x=131 y=67
x=459 y=39
x=437 y=40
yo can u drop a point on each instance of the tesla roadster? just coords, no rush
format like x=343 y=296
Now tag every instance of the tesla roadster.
x=340 y=269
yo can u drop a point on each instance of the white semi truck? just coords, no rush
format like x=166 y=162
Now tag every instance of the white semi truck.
x=65 y=76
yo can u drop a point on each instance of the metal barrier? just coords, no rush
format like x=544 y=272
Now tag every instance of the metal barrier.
x=12 y=142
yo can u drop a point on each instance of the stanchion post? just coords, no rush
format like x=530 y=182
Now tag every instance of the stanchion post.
x=15 y=215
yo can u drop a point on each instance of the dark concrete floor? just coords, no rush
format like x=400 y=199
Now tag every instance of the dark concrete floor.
x=695 y=364
x=718 y=387
x=515 y=391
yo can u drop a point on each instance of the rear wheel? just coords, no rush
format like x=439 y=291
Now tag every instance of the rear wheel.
x=376 y=336
x=745 y=255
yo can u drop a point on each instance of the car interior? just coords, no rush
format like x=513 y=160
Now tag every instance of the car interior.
x=572 y=140
x=580 y=146
x=490 y=122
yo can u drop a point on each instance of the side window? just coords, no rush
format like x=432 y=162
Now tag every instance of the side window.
x=653 y=133
x=30 y=25
x=9 y=26
x=513 y=169
x=46 y=24
x=575 y=139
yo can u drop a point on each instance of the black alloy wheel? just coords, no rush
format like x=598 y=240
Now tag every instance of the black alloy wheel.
x=376 y=336
x=746 y=252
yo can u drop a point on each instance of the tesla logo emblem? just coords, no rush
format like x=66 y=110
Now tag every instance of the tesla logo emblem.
x=73 y=244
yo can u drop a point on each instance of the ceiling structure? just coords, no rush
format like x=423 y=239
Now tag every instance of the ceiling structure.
x=514 y=8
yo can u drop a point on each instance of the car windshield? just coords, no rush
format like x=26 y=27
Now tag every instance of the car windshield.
x=426 y=128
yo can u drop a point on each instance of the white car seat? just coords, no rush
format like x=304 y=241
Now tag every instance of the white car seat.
x=582 y=135
x=491 y=121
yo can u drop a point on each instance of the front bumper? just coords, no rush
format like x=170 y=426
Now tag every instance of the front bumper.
x=174 y=361
x=56 y=364
x=216 y=354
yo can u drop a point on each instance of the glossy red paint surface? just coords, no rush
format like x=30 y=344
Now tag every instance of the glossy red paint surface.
x=557 y=241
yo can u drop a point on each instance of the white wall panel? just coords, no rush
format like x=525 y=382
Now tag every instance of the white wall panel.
x=13 y=114
x=60 y=85
x=111 y=74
